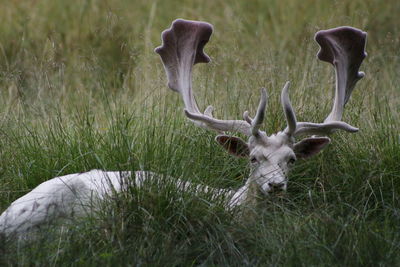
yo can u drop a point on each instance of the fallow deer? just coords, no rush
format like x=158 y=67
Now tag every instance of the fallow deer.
x=270 y=157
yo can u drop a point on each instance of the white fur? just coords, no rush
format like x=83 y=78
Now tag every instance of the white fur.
x=77 y=195
x=65 y=196
x=80 y=194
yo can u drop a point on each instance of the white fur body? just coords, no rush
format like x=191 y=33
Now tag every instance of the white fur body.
x=78 y=194
x=64 y=196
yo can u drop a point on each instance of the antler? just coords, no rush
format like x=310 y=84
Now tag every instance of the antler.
x=344 y=48
x=182 y=48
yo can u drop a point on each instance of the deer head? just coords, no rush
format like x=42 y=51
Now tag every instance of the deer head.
x=271 y=157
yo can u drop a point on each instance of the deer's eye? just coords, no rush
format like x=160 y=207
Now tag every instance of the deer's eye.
x=291 y=161
x=253 y=160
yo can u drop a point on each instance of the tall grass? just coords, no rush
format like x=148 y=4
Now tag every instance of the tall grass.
x=81 y=89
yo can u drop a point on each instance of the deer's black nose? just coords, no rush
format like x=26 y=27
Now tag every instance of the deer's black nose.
x=276 y=187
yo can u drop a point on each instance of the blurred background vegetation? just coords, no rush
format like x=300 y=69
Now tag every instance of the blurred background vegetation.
x=81 y=88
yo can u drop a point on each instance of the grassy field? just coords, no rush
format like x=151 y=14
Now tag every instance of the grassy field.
x=81 y=88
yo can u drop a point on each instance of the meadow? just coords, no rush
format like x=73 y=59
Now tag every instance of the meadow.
x=81 y=88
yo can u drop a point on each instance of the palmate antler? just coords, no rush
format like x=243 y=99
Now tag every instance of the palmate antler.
x=182 y=48
x=344 y=48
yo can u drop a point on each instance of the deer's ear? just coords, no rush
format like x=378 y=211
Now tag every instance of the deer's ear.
x=309 y=147
x=234 y=145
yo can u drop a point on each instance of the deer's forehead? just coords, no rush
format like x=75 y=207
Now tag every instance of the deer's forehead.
x=271 y=150
x=273 y=142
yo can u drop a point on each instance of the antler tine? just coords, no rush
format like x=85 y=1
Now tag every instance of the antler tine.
x=182 y=47
x=344 y=48
x=288 y=109
x=259 y=118
x=248 y=127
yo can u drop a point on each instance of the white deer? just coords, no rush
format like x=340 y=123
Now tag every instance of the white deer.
x=270 y=157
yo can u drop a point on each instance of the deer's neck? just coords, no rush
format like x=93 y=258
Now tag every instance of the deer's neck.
x=249 y=194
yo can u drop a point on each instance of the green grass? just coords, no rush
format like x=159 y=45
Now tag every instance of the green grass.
x=81 y=88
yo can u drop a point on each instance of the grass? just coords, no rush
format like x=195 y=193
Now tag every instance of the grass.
x=81 y=89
